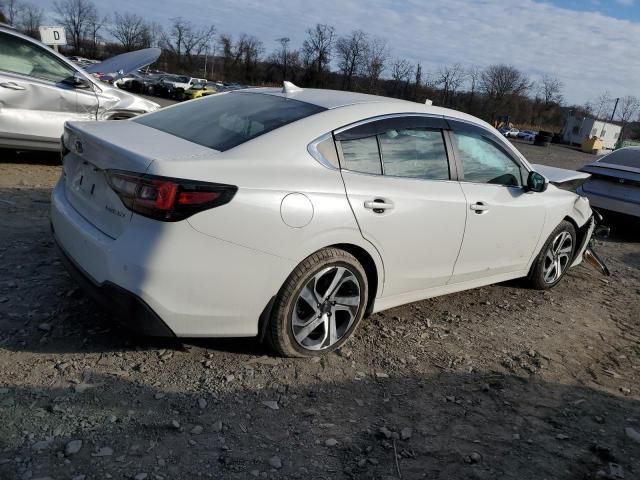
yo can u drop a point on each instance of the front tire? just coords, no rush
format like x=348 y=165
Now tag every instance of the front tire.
x=320 y=305
x=555 y=257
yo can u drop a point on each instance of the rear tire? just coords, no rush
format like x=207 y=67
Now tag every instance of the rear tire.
x=555 y=257
x=319 y=306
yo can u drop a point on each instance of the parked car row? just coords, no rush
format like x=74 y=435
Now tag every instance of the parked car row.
x=528 y=135
x=177 y=87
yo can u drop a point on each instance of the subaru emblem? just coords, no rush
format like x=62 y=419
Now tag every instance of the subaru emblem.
x=78 y=146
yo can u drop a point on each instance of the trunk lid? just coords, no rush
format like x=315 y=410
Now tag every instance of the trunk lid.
x=561 y=177
x=94 y=148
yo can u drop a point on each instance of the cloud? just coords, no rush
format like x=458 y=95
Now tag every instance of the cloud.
x=588 y=51
x=625 y=3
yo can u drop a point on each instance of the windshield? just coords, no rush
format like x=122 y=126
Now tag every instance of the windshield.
x=226 y=120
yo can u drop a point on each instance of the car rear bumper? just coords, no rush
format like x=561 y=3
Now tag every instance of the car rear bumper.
x=122 y=303
x=196 y=285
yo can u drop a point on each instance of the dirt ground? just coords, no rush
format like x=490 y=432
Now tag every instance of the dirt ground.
x=498 y=382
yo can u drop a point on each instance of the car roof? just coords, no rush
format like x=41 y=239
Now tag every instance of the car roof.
x=333 y=99
x=328 y=98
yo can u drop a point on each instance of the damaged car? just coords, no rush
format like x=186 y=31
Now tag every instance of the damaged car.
x=40 y=90
x=291 y=214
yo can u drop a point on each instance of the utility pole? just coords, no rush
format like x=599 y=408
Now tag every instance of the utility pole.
x=206 y=50
x=615 y=107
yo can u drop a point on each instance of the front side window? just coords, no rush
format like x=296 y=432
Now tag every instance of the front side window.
x=484 y=162
x=414 y=153
x=25 y=58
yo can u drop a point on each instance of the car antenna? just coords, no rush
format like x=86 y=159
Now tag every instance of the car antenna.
x=288 y=87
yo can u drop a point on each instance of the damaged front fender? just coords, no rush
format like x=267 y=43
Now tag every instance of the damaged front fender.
x=115 y=104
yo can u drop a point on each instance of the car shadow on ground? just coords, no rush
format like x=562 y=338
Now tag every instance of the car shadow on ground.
x=480 y=426
x=622 y=228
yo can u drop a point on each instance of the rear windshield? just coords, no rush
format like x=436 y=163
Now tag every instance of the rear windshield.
x=226 y=120
x=624 y=158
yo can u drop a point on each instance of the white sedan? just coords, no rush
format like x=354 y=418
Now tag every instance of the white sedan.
x=291 y=214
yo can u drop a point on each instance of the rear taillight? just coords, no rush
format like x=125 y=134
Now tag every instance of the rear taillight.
x=167 y=199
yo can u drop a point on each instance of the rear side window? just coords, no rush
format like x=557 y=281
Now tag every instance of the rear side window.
x=224 y=121
x=414 y=153
x=408 y=147
x=362 y=155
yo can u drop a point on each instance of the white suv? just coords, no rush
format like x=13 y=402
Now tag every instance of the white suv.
x=40 y=90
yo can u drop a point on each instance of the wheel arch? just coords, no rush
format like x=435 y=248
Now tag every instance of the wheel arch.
x=581 y=233
x=370 y=268
x=373 y=268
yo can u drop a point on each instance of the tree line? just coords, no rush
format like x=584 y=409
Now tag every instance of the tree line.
x=357 y=61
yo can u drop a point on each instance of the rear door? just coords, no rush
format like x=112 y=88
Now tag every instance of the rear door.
x=34 y=100
x=504 y=221
x=405 y=198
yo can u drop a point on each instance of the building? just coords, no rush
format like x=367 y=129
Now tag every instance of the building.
x=577 y=128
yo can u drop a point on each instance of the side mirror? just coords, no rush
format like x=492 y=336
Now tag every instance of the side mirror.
x=536 y=182
x=78 y=81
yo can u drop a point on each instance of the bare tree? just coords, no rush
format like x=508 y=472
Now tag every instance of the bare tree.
x=499 y=81
x=186 y=41
x=550 y=89
x=94 y=25
x=130 y=30
x=401 y=73
x=282 y=55
x=505 y=89
x=12 y=10
x=317 y=48
x=250 y=48
x=602 y=105
x=352 y=55
x=449 y=79
x=77 y=16
x=240 y=59
x=377 y=55
x=473 y=75
x=628 y=107
x=31 y=17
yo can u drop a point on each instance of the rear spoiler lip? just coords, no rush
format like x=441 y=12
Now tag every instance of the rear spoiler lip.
x=608 y=170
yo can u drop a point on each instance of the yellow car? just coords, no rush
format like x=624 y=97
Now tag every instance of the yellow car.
x=197 y=91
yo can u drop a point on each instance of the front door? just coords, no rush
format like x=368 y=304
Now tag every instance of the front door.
x=504 y=221
x=398 y=181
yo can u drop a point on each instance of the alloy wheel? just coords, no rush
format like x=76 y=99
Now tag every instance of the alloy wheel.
x=557 y=257
x=326 y=308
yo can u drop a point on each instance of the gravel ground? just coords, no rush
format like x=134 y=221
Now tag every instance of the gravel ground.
x=497 y=382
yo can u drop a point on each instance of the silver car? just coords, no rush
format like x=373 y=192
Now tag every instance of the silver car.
x=40 y=90
x=615 y=181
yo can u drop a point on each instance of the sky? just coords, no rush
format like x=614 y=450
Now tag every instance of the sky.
x=592 y=46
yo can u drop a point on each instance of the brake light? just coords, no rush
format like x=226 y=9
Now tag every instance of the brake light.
x=167 y=199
